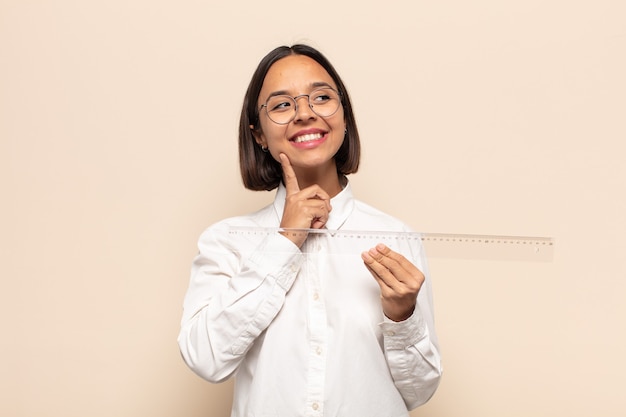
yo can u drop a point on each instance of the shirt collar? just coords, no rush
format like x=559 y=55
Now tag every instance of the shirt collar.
x=342 y=205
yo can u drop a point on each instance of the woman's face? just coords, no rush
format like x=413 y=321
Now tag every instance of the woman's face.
x=309 y=140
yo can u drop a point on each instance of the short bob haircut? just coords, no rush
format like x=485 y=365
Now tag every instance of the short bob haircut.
x=259 y=170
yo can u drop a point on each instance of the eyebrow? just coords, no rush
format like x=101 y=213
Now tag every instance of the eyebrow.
x=316 y=84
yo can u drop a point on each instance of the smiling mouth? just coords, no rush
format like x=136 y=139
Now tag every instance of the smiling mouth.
x=308 y=137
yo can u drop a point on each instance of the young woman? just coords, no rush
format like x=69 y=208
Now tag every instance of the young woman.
x=309 y=324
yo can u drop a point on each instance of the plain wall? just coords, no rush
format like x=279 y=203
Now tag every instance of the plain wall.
x=118 y=124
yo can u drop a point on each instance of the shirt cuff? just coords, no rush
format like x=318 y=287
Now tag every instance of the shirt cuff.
x=402 y=334
x=278 y=257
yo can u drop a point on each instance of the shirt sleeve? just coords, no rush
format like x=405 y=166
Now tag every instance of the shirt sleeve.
x=411 y=347
x=235 y=292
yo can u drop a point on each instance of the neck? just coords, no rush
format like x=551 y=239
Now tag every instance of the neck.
x=328 y=179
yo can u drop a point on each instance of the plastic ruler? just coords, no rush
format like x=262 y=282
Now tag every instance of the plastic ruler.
x=437 y=245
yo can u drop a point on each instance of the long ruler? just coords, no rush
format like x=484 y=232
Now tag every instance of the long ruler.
x=437 y=245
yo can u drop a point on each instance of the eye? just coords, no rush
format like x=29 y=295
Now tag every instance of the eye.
x=321 y=98
x=280 y=104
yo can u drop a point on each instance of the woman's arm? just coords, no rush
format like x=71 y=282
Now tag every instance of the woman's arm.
x=409 y=338
x=234 y=293
x=413 y=358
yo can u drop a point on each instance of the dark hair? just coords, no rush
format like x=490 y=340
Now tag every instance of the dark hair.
x=259 y=170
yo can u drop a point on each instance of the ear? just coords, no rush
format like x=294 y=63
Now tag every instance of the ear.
x=258 y=137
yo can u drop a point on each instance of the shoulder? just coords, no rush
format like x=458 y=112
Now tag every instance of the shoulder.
x=407 y=242
x=221 y=232
x=264 y=217
x=368 y=217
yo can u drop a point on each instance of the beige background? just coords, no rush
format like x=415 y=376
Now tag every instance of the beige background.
x=118 y=146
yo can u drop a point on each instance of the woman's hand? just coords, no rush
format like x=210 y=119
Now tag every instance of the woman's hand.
x=304 y=209
x=399 y=281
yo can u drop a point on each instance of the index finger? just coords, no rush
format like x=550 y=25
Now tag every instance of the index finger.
x=289 y=175
x=394 y=261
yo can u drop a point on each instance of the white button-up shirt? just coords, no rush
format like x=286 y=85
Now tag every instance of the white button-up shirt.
x=302 y=329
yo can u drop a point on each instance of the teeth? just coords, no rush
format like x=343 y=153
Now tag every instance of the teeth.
x=307 y=138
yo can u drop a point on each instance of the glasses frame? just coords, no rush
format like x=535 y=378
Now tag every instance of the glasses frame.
x=295 y=100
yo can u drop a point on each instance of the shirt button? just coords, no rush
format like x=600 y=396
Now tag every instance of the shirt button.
x=315 y=406
x=316 y=296
x=390 y=333
x=293 y=268
x=318 y=350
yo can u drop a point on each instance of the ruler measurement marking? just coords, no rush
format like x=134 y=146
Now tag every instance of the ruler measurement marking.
x=442 y=245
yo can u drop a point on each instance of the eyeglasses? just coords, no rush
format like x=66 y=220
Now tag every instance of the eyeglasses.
x=283 y=109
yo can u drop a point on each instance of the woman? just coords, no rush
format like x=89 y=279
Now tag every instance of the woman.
x=308 y=326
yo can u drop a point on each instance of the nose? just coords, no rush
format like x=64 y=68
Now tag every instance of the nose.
x=303 y=110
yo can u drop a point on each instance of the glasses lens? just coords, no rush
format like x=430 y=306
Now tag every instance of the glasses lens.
x=324 y=101
x=282 y=109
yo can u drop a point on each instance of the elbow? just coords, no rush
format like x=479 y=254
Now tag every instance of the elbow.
x=202 y=360
x=423 y=392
